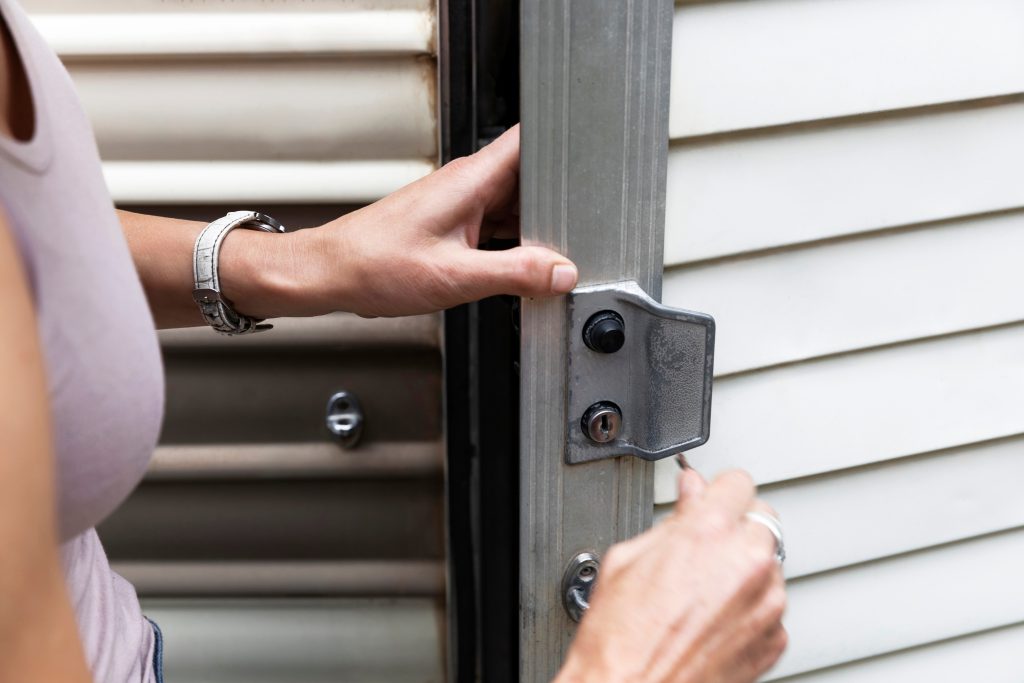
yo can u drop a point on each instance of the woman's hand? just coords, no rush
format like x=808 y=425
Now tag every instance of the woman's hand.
x=415 y=250
x=697 y=599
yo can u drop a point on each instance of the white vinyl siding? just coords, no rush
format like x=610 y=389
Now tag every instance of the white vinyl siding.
x=990 y=656
x=793 y=186
x=845 y=197
x=766 y=63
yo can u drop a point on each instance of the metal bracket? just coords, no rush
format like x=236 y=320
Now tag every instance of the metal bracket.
x=578 y=583
x=658 y=378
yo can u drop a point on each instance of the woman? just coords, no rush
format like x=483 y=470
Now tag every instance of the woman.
x=698 y=598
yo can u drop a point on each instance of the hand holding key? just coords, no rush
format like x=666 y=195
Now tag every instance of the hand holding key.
x=697 y=599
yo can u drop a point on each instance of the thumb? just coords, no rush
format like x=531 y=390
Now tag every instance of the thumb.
x=691 y=488
x=522 y=271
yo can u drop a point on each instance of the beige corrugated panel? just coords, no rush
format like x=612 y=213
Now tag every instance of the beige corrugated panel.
x=300 y=641
x=327 y=102
x=267 y=552
x=162 y=7
x=247 y=497
x=844 y=196
x=333 y=558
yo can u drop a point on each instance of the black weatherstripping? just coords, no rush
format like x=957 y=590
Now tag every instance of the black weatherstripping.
x=480 y=100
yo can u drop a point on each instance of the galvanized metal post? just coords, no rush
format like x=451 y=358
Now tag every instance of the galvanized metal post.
x=594 y=108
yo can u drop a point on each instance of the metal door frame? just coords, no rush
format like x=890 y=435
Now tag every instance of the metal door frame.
x=593 y=100
x=594 y=109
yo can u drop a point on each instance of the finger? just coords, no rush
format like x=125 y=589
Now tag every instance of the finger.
x=773 y=646
x=771 y=606
x=625 y=553
x=691 y=487
x=733 y=492
x=491 y=174
x=761 y=654
x=504 y=148
x=523 y=271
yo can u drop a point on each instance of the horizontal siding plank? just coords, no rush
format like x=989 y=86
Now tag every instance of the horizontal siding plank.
x=378 y=460
x=338 y=578
x=320 y=109
x=278 y=520
x=285 y=182
x=131 y=35
x=301 y=641
x=844 y=411
x=873 y=512
x=804 y=60
x=992 y=657
x=903 y=602
x=217 y=6
x=279 y=396
x=336 y=332
x=735 y=196
x=841 y=296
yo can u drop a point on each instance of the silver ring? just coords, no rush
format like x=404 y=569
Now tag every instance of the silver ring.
x=775 y=526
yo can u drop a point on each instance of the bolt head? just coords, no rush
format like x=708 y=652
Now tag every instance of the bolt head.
x=604 y=332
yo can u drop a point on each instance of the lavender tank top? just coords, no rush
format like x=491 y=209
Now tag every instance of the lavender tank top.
x=99 y=345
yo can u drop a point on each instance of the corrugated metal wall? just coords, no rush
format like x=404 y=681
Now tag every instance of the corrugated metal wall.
x=845 y=196
x=266 y=552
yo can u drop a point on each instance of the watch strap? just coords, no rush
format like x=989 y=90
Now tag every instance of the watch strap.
x=218 y=312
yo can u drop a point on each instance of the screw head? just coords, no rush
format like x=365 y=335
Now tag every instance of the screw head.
x=602 y=422
x=604 y=332
x=344 y=418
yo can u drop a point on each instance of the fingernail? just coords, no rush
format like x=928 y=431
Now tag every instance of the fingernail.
x=563 y=278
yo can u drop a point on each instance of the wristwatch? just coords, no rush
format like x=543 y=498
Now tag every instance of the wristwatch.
x=218 y=312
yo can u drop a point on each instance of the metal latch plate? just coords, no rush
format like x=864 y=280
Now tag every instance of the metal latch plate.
x=660 y=378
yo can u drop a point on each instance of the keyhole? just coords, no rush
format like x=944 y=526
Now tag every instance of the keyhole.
x=602 y=422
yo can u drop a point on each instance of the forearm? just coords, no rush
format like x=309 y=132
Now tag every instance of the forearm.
x=38 y=635
x=413 y=252
x=261 y=274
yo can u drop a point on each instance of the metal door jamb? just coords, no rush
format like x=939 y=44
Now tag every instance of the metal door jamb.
x=594 y=108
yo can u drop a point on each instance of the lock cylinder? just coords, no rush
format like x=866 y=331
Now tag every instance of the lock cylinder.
x=602 y=422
